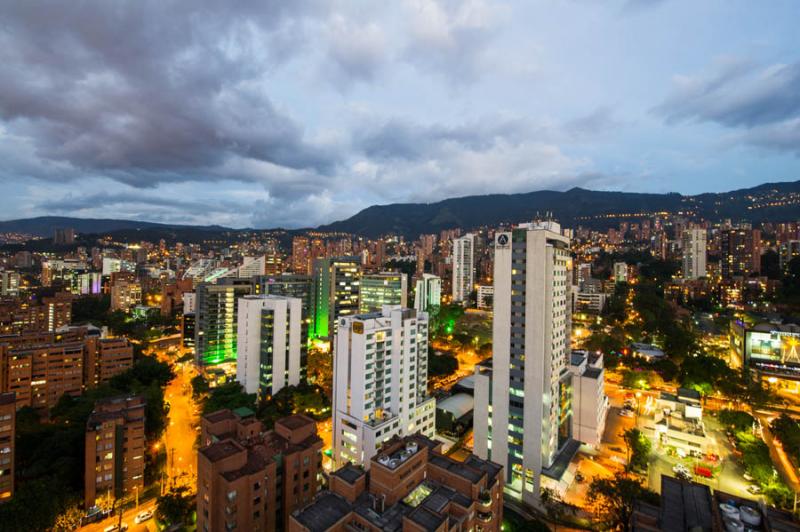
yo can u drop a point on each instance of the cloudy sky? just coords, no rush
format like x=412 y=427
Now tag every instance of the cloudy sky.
x=269 y=113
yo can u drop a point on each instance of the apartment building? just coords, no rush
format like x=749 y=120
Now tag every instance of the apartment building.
x=8 y=411
x=410 y=486
x=115 y=446
x=253 y=479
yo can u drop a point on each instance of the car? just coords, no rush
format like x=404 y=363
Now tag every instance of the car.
x=115 y=528
x=748 y=477
x=578 y=477
x=752 y=489
x=626 y=413
x=141 y=517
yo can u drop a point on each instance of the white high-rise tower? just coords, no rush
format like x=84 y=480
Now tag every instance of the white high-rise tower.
x=380 y=382
x=270 y=343
x=463 y=266
x=694 y=253
x=526 y=388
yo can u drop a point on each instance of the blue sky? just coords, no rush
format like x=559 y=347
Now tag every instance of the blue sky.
x=293 y=114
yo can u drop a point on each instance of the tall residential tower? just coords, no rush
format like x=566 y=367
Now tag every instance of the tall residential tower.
x=463 y=266
x=380 y=382
x=525 y=389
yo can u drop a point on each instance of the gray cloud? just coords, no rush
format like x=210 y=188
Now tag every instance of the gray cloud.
x=737 y=94
x=400 y=139
x=146 y=92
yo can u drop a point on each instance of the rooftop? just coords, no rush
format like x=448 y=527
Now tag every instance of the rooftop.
x=327 y=510
x=459 y=404
x=457 y=468
x=349 y=473
x=295 y=421
x=219 y=415
x=244 y=412
x=684 y=506
x=220 y=450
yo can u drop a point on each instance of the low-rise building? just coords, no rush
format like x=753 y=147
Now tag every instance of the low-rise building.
x=410 y=486
x=589 y=401
x=690 y=506
x=250 y=478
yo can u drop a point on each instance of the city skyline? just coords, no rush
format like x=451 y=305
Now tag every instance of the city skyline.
x=273 y=115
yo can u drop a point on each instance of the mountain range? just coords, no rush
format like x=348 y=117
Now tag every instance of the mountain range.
x=577 y=206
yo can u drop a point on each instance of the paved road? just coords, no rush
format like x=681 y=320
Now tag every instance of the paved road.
x=181 y=433
x=127 y=518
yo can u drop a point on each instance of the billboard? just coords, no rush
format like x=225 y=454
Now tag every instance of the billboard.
x=773 y=351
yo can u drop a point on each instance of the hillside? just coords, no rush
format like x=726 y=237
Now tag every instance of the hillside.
x=577 y=206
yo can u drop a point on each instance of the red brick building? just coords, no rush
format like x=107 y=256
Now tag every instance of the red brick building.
x=410 y=486
x=252 y=479
x=115 y=447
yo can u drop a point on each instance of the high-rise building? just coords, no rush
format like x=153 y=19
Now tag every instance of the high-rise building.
x=288 y=285
x=125 y=294
x=741 y=252
x=379 y=289
x=301 y=255
x=411 y=485
x=271 y=348
x=788 y=250
x=485 y=297
x=620 y=272
x=428 y=293
x=252 y=479
x=8 y=412
x=336 y=281
x=525 y=388
x=216 y=320
x=694 y=253
x=63 y=236
x=9 y=283
x=250 y=267
x=115 y=449
x=463 y=266
x=380 y=374
x=188 y=326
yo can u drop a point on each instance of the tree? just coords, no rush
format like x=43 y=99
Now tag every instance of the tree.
x=69 y=519
x=704 y=373
x=175 y=507
x=199 y=386
x=736 y=420
x=320 y=369
x=442 y=365
x=613 y=499
x=638 y=450
x=230 y=395
x=553 y=504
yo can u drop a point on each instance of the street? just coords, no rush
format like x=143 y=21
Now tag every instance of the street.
x=181 y=434
x=127 y=518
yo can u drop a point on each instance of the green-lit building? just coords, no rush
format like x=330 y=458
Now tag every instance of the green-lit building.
x=335 y=293
x=216 y=318
x=379 y=289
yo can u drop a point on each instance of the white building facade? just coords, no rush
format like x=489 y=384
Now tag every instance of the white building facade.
x=428 y=293
x=526 y=388
x=589 y=400
x=694 y=253
x=270 y=343
x=463 y=267
x=380 y=379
